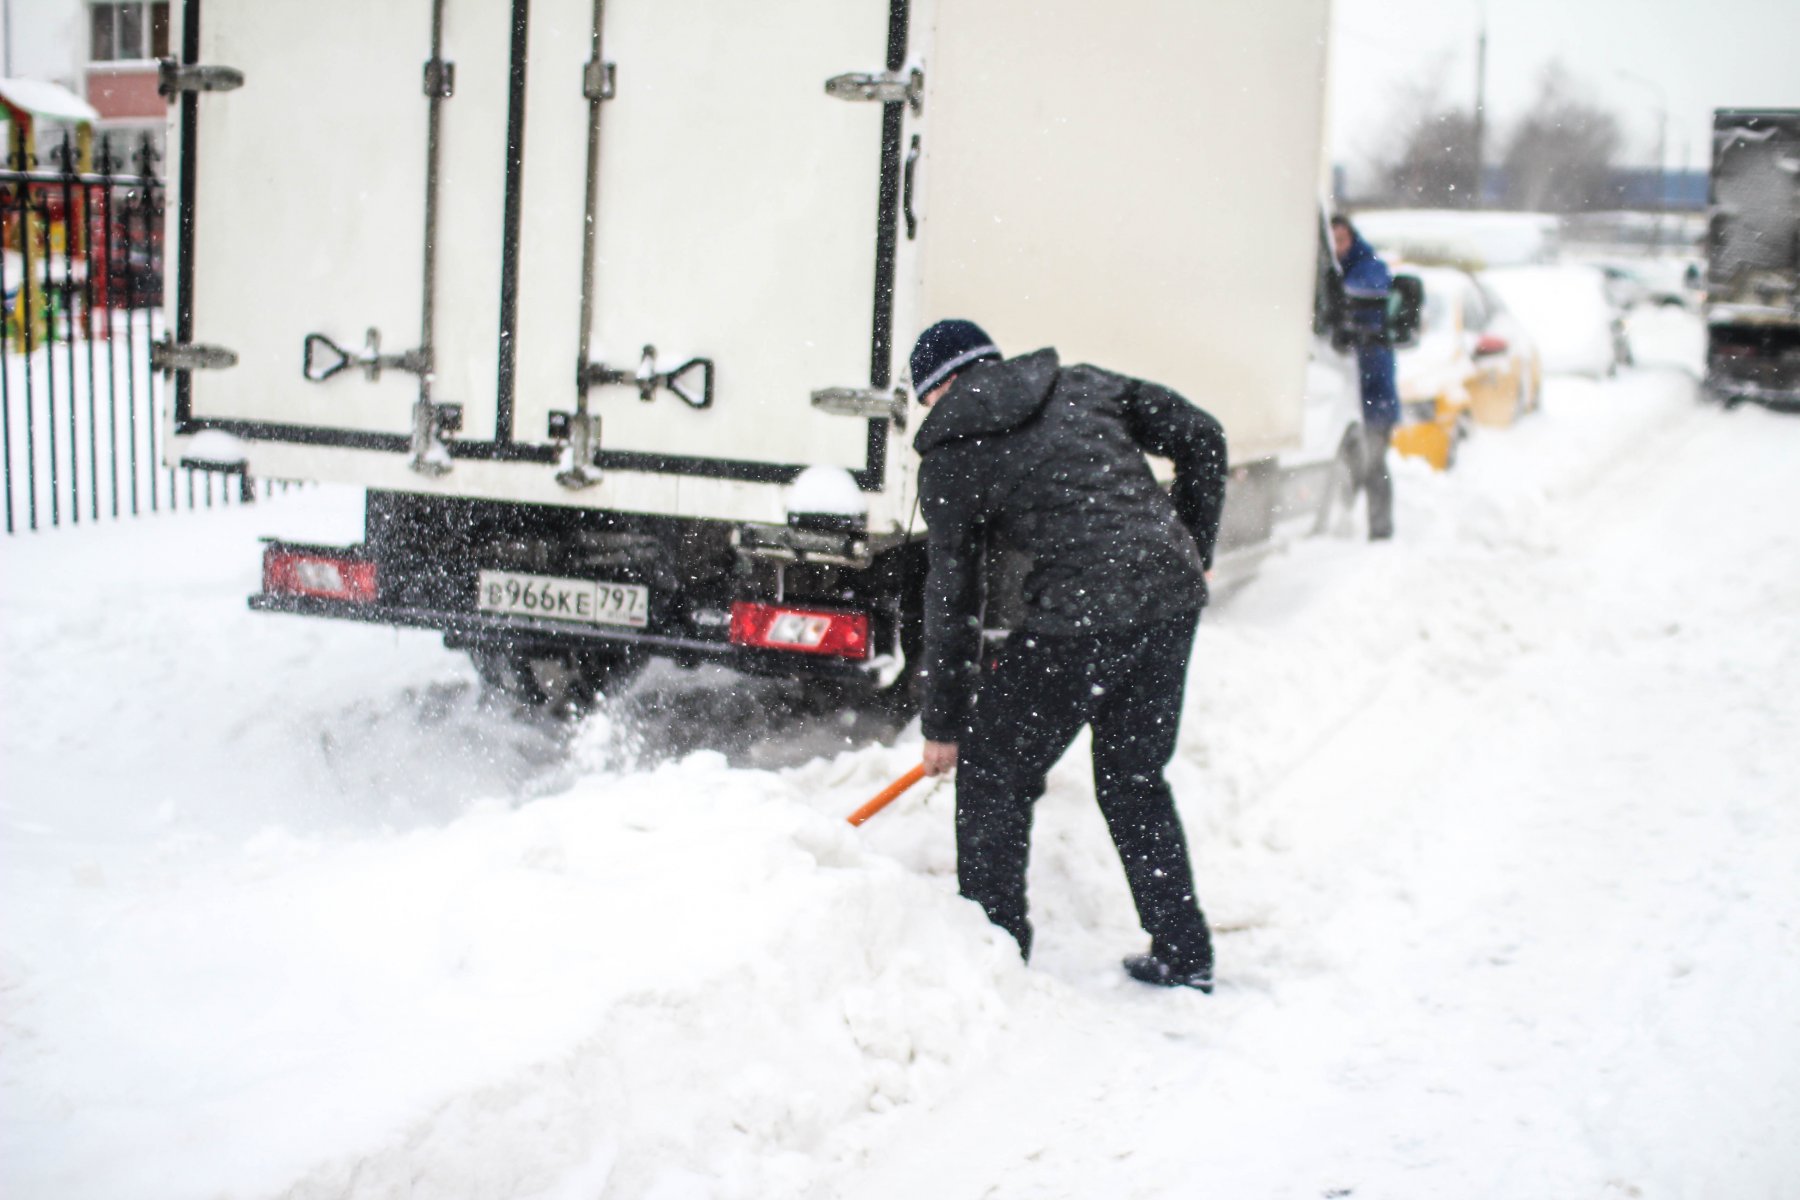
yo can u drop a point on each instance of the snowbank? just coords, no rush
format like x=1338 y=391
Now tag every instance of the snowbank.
x=1471 y=240
x=487 y=1008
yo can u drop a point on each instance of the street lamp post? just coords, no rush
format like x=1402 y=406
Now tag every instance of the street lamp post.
x=1662 y=148
x=1478 y=200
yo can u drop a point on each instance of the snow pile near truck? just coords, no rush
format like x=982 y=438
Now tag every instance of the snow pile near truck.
x=289 y=910
x=289 y=907
x=485 y=1007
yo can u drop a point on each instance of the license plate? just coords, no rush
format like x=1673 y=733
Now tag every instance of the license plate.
x=592 y=602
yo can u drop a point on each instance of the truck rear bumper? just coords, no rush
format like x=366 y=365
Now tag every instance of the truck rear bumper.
x=1755 y=362
x=464 y=629
x=1771 y=397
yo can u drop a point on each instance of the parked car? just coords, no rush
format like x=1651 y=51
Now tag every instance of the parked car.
x=1474 y=363
x=1623 y=288
x=1670 y=281
x=1577 y=325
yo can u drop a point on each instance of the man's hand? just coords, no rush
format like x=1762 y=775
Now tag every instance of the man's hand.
x=940 y=758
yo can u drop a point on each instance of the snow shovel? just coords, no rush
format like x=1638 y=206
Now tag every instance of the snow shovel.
x=888 y=795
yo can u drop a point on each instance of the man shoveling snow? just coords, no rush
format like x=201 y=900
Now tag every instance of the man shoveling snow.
x=1028 y=458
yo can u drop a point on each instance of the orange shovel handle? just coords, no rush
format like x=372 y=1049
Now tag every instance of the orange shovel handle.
x=888 y=795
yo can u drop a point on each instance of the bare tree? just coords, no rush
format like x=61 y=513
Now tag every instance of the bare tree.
x=1560 y=155
x=1430 y=158
x=1436 y=168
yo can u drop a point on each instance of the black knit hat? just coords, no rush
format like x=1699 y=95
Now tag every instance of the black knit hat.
x=947 y=348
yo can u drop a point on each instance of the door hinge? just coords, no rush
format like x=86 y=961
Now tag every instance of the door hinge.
x=168 y=356
x=440 y=79
x=890 y=87
x=174 y=78
x=599 y=80
x=874 y=404
x=579 y=436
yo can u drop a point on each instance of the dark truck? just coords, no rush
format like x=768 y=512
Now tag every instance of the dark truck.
x=1753 y=258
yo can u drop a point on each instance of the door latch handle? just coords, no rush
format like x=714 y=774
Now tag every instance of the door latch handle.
x=697 y=392
x=324 y=358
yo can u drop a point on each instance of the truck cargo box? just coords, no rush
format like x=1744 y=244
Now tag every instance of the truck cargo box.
x=657 y=267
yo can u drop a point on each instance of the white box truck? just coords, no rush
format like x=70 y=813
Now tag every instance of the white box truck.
x=607 y=302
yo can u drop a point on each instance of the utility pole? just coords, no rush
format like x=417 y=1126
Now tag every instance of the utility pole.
x=1477 y=199
x=1662 y=173
x=1662 y=149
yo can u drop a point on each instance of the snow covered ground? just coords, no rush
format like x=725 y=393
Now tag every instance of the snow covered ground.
x=1498 y=824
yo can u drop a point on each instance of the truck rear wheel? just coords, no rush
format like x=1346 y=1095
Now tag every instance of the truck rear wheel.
x=561 y=681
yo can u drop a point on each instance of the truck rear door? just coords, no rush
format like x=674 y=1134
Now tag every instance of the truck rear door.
x=745 y=221
x=302 y=198
x=737 y=210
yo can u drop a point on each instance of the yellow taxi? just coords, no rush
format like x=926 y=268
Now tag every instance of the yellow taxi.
x=1474 y=364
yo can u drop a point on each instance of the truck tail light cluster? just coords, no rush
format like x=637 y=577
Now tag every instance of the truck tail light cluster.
x=808 y=630
x=301 y=573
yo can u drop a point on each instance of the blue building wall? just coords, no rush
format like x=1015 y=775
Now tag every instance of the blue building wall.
x=1641 y=188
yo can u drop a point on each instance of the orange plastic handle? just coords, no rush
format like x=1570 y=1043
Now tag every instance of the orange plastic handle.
x=888 y=795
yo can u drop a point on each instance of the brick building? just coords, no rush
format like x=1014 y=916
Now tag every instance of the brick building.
x=105 y=51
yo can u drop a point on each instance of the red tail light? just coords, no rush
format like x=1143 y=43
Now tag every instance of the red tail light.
x=808 y=630
x=306 y=573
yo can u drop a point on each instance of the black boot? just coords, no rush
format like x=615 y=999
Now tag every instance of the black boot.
x=1147 y=968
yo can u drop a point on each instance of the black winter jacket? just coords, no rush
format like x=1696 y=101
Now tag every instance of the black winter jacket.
x=1047 y=463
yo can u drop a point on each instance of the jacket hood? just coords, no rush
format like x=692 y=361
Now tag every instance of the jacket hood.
x=1360 y=252
x=990 y=398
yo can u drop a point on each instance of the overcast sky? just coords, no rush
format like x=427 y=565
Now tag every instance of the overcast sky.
x=1701 y=54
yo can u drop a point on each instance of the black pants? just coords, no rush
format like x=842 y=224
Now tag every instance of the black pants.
x=1376 y=480
x=1035 y=696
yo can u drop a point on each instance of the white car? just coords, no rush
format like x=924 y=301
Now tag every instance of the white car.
x=1572 y=318
x=1670 y=281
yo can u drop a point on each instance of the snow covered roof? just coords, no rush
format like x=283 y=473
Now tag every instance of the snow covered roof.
x=52 y=101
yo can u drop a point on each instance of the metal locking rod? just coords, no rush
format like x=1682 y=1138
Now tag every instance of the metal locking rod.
x=599 y=83
x=429 y=454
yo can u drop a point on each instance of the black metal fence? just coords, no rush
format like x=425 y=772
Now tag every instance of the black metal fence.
x=81 y=276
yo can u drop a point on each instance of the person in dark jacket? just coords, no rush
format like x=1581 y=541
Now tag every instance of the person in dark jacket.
x=1367 y=282
x=1044 y=466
